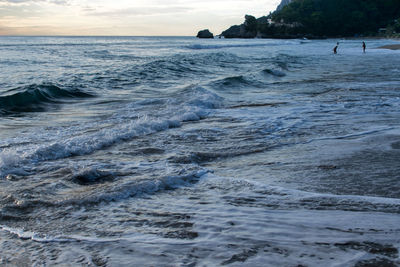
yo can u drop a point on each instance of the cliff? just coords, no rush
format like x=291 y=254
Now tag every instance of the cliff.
x=323 y=19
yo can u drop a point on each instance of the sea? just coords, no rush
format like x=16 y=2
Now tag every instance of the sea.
x=177 y=151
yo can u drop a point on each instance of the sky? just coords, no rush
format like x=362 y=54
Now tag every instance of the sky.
x=126 y=18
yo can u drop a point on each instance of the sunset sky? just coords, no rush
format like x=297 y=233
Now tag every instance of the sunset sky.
x=124 y=17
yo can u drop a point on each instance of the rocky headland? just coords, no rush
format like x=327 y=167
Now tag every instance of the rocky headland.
x=313 y=19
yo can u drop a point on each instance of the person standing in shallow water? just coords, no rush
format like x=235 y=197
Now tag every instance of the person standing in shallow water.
x=364 y=46
x=335 y=48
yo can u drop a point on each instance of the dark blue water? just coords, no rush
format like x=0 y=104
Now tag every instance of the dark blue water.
x=174 y=151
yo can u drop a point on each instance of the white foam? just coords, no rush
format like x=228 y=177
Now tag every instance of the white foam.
x=119 y=128
x=11 y=158
x=223 y=46
x=133 y=237
x=34 y=236
x=298 y=195
x=137 y=188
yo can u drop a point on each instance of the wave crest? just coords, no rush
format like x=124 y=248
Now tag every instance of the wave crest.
x=36 y=97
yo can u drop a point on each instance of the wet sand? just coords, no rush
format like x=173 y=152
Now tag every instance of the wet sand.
x=392 y=47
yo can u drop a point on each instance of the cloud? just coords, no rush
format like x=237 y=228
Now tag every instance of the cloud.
x=125 y=17
x=33 y=30
x=28 y=2
x=137 y=11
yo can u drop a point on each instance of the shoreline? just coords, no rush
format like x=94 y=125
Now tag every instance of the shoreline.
x=391 y=47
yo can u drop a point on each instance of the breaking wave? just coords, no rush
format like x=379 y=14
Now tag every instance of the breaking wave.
x=198 y=104
x=34 y=98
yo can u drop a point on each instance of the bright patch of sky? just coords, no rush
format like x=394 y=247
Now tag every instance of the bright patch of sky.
x=126 y=17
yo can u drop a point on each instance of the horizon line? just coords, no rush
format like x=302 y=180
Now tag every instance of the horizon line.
x=71 y=35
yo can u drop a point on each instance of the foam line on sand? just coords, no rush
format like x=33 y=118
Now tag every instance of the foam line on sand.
x=392 y=47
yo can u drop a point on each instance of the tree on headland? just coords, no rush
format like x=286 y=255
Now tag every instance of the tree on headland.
x=394 y=27
x=250 y=24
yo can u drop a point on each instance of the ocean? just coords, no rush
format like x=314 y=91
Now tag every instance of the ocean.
x=176 y=151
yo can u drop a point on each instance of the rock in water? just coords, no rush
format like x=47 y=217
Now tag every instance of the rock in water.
x=205 y=34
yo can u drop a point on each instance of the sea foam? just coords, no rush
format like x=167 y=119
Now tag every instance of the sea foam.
x=198 y=106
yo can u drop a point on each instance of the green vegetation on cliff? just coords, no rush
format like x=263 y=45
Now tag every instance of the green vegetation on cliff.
x=339 y=17
x=324 y=18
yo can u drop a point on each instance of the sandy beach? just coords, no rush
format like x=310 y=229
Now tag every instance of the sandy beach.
x=392 y=47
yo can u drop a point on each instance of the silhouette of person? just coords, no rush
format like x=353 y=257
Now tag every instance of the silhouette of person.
x=335 y=48
x=364 y=46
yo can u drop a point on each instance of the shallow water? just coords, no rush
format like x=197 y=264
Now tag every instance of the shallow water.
x=173 y=151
